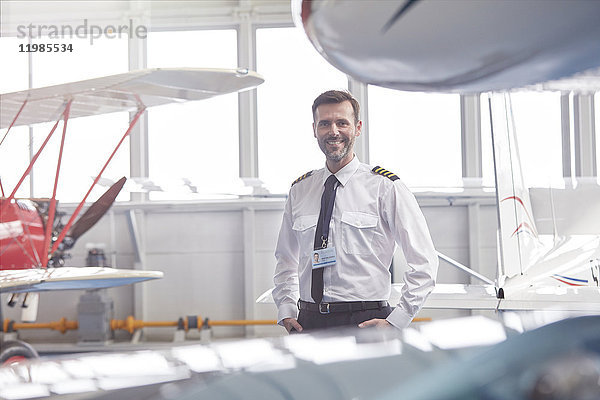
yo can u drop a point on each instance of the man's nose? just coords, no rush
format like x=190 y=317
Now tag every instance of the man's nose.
x=334 y=129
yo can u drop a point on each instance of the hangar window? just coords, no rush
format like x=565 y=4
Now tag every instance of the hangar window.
x=14 y=158
x=197 y=141
x=89 y=140
x=417 y=136
x=14 y=153
x=294 y=75
x=597 y=132
x=87 y=60
x=537 y=118
x=487 y=154
x=14 y=65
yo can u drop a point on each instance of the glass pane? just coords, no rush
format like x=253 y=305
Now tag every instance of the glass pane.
x=104 y=56
x=14 y=66
x=195 y=140
x=295 y=74
x=537 y=118
x=14 y=159
x=89 y=140
x=487 y=154
x=597 y=132
x=14 y=151
x=538 y=127
x=416 y=136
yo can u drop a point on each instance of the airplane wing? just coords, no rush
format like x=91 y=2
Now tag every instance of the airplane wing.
x=461 y=358
x=123 y=92
x=483 y=297
x=454 y=46
x=70 y=278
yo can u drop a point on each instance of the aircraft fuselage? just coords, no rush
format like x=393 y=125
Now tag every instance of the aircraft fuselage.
x=21 y=235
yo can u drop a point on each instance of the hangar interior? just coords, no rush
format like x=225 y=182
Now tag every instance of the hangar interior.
x=216 y=246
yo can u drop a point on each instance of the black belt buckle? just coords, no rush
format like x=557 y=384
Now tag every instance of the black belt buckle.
x=323 y=308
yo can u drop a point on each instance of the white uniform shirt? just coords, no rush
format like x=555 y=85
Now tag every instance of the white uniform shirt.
x=371 y=214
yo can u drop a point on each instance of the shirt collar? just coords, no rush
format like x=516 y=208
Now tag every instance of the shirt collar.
x=344 y=174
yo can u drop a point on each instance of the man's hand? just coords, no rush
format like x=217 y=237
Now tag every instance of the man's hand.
x=289 y=323
x=376 y=323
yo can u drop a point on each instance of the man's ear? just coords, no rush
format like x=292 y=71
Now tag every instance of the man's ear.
x=358 y=128
x=314 y=132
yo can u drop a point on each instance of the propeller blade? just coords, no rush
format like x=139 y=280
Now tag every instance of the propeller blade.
x=96 y=211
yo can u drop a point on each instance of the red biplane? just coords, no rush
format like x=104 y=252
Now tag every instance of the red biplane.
x=32 y=240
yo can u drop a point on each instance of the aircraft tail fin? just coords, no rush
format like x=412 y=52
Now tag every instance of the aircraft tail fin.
x=519 y=244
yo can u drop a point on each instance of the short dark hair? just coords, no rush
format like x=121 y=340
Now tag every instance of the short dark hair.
x=336 y=97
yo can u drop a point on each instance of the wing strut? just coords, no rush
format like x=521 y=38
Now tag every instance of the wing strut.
x=80 y=206
x=52 y=210
x=33 y=160
x=13 y=121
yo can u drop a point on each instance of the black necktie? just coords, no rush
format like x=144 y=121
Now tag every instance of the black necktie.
x=322 y=235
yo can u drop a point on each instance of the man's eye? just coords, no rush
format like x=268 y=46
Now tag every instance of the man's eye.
x=324 y=123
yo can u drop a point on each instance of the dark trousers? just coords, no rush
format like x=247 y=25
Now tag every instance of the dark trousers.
x=311 y=320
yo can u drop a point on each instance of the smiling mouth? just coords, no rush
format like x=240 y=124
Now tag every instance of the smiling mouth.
x=335 y=142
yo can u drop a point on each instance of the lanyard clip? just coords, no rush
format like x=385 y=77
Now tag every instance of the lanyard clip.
x=324 y=244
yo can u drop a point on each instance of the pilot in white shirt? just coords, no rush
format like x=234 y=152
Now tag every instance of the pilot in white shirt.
x=372 y=213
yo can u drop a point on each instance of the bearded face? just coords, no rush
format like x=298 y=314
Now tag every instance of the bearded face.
x=336 y=132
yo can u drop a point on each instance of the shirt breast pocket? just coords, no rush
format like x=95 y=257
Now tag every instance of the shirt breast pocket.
x=304 y=226
x=358 y=229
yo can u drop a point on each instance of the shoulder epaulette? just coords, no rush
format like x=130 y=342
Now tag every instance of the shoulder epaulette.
x=306 y=175
x=382 y=171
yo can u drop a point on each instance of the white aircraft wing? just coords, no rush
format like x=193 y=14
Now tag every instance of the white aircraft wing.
x=483 y=297
x=455 y=46
x=462 y=358
x=123 y=92
x=70 y=278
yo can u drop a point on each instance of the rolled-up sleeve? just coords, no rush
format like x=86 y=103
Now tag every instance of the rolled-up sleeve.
x=286 y=291
x=410 y=229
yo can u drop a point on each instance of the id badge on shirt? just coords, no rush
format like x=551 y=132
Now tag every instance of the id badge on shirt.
x=323 y=257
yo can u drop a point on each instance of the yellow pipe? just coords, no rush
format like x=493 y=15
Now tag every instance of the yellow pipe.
x=61 y=325
x=130 y=324
x=421 y=319
x=242 y=322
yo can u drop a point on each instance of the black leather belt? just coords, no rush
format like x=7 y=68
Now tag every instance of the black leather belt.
x=341 y=306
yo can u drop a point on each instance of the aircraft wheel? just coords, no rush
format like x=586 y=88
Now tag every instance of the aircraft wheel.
x=14 y=351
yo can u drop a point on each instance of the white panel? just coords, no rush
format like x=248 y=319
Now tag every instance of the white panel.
x=263 y=279
x=488 y=220
x=449 y=274
x=193 y=232
x=448 y=225
x=489 y=262
x=101 y=233
x=267 y=229
x=577 y=211
x=209 y=285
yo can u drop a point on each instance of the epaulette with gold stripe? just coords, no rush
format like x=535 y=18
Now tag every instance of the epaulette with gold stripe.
x=382 y=171
x=306 y=175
